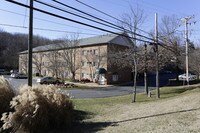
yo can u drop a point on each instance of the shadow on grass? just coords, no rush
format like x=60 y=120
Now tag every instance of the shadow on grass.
x=156 y=115
x=92 y=127
x=179 y=90
x=79 y=126
x=175 y=91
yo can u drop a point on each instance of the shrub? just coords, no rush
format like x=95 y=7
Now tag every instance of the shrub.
x=6 y=95
x=38 y=109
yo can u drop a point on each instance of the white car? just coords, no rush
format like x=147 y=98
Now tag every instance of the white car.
x=190 y=77
x=18 y=75
x=47 y=80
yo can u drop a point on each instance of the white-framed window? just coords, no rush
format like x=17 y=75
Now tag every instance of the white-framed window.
x=84 y=52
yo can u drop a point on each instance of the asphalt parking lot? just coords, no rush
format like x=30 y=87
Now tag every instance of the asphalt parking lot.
x=101 y=92
x=84 y=93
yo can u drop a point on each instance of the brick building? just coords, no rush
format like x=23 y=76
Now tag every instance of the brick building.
x=86 y=58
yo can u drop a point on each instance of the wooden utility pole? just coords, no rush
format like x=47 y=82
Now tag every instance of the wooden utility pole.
x=145 y=71
x=157 y=62
x=30 y=42
x=186 y=19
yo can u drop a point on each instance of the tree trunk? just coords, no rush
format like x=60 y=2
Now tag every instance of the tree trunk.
x=177 y=71
x=73 y=76
x=135 y=79
x=146 y=82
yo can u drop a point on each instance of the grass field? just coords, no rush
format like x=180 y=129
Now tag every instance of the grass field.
x=178 y=110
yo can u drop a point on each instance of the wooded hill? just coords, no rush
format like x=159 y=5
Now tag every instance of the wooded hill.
x=13 y=43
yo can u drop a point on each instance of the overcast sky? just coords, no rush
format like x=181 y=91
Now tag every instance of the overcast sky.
x=14 y=15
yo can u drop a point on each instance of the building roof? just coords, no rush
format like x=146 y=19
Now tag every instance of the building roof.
x=101 y=39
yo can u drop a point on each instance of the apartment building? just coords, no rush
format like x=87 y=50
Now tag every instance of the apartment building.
x=86 y=58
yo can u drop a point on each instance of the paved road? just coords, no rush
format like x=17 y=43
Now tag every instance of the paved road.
x=16 y=83
x=86 y=93
x=105 y=92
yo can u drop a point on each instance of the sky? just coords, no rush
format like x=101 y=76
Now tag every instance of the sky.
x=14 y=18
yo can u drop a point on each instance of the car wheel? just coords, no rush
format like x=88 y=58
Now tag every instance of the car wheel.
x=44 y=82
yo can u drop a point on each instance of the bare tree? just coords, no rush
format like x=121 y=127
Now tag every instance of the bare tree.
x=53 y=60
x=194 y=61
x=132 y=22
x=171 y=39
x=24 y=63
x=70 y=53
x=38 y=59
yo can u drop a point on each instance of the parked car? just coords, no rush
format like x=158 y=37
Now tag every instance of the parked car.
x=190 y=77
x=4 y=72
x=47 y=80
x=18 y=75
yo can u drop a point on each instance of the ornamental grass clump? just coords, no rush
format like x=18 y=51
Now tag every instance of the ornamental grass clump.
x=6 y=95
x=39 y=109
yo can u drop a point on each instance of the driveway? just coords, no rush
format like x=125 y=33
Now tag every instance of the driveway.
x=85 y=93
x=105 y=92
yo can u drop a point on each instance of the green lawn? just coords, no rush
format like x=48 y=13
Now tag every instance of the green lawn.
x=98 y=106
x=177 y=110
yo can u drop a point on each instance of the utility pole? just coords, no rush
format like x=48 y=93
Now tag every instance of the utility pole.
x=145 y=71
x=186 y=19
x=157 y=62
x=30 y=42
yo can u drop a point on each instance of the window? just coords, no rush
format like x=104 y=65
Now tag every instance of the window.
x=84 y=63
x=84 y=52
x=94 y=64
x=83 y=75
x=90 y=51
x=89 y=63
x=115 y=76
x=95 y=51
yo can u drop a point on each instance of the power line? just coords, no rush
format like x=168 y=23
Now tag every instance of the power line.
x=75 y=14
x=41 y=19
x=119 y=28
x=44 y=29
x=107 y=14
x=25 y=14
x=75 y=21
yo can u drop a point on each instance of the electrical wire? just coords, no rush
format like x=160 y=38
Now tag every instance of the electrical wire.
x=118 y=27
x=45 y=29
x=106 y=14
x=45 y=20
x=25 y=14
x=75 y=21
x=75 y=14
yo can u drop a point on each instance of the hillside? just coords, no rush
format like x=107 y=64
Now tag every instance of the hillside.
x=13 y=43
x=179 y=114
